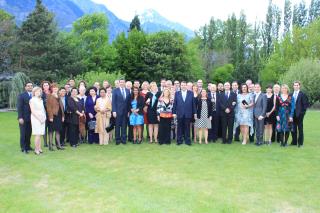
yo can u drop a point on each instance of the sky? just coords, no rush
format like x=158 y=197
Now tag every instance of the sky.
x=192 y=13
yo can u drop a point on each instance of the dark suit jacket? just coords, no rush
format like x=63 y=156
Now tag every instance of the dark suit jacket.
x=140 y=105
x=302 y=104
x=227 y=103
x=185 y=108
x=119 y=105
x=199 y=107
x=217 y=101
x=23 y=107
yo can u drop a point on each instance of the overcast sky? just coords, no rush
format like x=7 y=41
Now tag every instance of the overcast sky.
x=192 y=13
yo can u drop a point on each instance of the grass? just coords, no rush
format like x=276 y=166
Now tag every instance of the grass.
x=153 y=178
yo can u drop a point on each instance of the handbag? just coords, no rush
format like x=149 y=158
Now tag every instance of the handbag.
x=92 y=125
x=166 y=115
x=111 y=124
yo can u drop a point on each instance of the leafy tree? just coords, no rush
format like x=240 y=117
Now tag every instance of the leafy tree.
x=307 y=71
x=194 y=58
x=130 y=61
x=166 y=56
x=223 y=73
x=8 y=38
x=90 y=34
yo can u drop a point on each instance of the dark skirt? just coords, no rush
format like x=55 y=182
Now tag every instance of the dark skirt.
x=56 y=125
x=152 y=116
x=271 y=119
x=165 y=131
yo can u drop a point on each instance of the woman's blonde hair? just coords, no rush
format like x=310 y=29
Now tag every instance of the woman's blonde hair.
x=286 y=87
x=153 y=85
x=35 y=89
x=166 y=89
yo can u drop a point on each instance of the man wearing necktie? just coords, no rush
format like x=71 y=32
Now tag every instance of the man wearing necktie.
x=184 y=108
x=228 y=101
x=213 y=96
x=24 y=117
x=259 y=113
x=275 y=134
x=235 y=89
x=120 y=110
x=130 y=127
x=301 y=106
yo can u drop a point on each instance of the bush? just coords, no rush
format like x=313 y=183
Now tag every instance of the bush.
x=93 y=76
x=223 y=73
x=307 y=71
x=17 y=87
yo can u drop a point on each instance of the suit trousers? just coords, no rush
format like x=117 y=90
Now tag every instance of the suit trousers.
x=121 y=129
x=213 y=132
x=227 y=122
x=25 y=135
x=297 y=129
x=259 y=130
x=183 y=131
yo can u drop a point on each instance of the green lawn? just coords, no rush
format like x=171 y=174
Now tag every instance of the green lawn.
x=153 y=178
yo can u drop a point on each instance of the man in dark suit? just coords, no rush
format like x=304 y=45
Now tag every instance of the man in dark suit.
x=228 y=101
x=24 y=117
x=275 y=134
x=120 y=109
x=259 y=113
x=130 y=127
x=235 y=89
x=213 y=96
x=64 y=100
x=184 y=108
x=301 y=106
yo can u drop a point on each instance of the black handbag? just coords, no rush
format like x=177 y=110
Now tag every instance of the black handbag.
x=111 y=124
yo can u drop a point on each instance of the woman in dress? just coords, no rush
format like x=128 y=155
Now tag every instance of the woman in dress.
x=194 y=129
x=244 y=113
x=55 y=116
x=285 y=114
x=143 y=93
x=204 y=115
x=136 y=115
x=112 y=120
x=152 y=103
x=76 y=111
x=82 y=122
x=164 y=111
x=270 y=118
x=45 y=85
x=103 y=109
x=38 y=118
x=91 y=115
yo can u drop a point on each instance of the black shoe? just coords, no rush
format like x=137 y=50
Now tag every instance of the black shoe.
x=74 y=146
x=25 y=151
x=117 y=143
x=178 y=144
x=30 y=149
x=60 y=148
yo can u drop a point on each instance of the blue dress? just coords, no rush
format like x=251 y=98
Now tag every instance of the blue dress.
x=135 y=119
x=244 y=116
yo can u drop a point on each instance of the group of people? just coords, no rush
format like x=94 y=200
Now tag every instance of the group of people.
x=181 y=111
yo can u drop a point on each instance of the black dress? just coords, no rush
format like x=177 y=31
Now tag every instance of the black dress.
x=272 y=118
x=152 y=108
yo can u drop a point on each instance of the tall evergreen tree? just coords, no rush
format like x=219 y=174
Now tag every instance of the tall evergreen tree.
x=300 y=15
x=314 y=10
x=135 y=23
x=287 y=18
x=36 y=36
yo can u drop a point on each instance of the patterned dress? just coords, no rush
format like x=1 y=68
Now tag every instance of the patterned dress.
x=285 y=111
x=244 y=116
x=203 y=121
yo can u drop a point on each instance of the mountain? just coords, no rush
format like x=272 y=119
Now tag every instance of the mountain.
x=68 y=11
x=151 y=21
x=116 y=25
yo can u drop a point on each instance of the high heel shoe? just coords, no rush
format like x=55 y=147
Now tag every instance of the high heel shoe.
x=60 y=148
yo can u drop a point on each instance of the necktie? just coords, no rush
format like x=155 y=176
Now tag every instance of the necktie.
x=30 y=96
x=213 y=102
x=227 y=95
x=123 y=94
x=295 y=96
